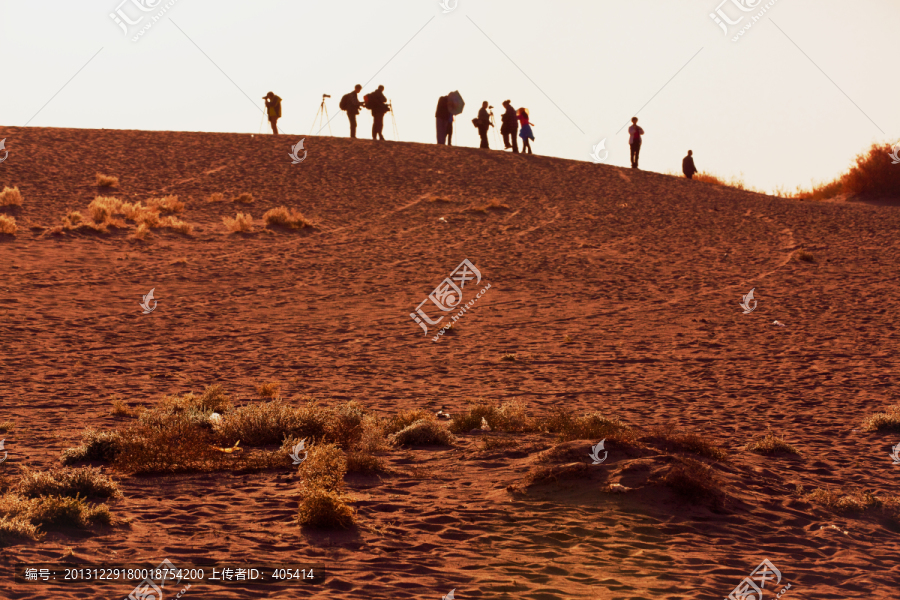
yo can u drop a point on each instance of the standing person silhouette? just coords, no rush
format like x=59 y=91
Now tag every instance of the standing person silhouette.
x=442 y=120
x=377 y=103
x=484 y=121
x=509 y=127
x=634 y=140
x=350 y=102
x=273 y=110
x=525 y=133
x=450 y=131
x=687 y=165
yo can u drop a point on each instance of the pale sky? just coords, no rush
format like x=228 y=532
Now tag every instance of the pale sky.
x=809 y=86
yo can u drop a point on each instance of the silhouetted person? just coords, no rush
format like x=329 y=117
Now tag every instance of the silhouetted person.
x=687 y=165
x=442 y=120
x=525 y=131
x=634 y=140
x=350 y=102
x=509 y=127
x=273 y=110
x=377 y=103
x=484 y=121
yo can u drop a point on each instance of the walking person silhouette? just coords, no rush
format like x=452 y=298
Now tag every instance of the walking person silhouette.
x=687 y=165
x=484 y=122
x=273 y=110
x=350 y=102
x=509 y=127
x=377 y=103
x=525 y=132
x=634 y=140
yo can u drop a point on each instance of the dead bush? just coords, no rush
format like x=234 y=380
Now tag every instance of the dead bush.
x=241 y=223
x=106 y=181
x=285 y=217
x=11 y=197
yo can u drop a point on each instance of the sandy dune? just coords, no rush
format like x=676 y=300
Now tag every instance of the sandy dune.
x=617 y=290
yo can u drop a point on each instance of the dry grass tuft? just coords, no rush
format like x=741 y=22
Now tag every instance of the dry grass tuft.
x=589 y=426
x=120 y=409
x=106 y=181
x=6 y=426
x=805 y=256
x=244 y=198
x=176 y=225
x=8 y=225
x=10 y=197
x=85 y=481
x=509 y=357
x=285 y=217
x=888 y=421
x=216 y=197
x=771 y=444
x=695 y=482
x=61 y=511
x=325 y=509
x=142 y=232
x=424 y=432
x=17 y=528
x=241 y=223
x=509 y=417
x=858 y=502
x=670 y=439
x=498 y=443
x=403 y=419
x=268 y=390
x=95 y=445
x=324 y=467
x=166 y=204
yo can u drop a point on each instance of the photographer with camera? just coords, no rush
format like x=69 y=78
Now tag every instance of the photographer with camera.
x=377 y=103
x=509 y=127
x=350 y=102
x=485 y=119
x=273 y=110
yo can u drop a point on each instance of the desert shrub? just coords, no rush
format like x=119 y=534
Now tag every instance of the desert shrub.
x=498 y=443
x=190 y=407
x=325 y=509
x=95 y=445
x=858 y=502
x=695 y=482
x=586 y=427
x=509 y=357
x=805 y=256
x=102 y=208
x=166 y=204
x=424 y=432
x=364 y=462
x=404 y=418
x=509 y=417
x=18 y=528
x=176 y=225
x=10 y=197
x=324 y=467
x=873 y=173
x=180 y=446
x=241 y=223
x=244 y=198
x=85 y=481
x=120 y=409
x=6 y=426
x=8 y=225
x=142 y=232
x=106 y=181
x=671 y=439
x=268 y=390
x=285 y=217
x=888 y=421
x=62 y=511
x=771 y=444
x=552 y=474
x=216 y=197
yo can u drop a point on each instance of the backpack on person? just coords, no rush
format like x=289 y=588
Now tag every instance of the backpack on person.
x=345 y=101
x=366 y=101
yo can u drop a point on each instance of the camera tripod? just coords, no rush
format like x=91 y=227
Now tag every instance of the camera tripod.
x=322 y=116
x=493 y=125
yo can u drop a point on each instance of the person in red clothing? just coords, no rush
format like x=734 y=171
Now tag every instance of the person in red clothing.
x=525 y=130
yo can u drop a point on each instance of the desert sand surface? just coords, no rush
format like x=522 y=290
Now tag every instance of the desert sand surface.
x=617 y=291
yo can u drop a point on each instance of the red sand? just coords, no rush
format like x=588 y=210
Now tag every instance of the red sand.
x=643 y=272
